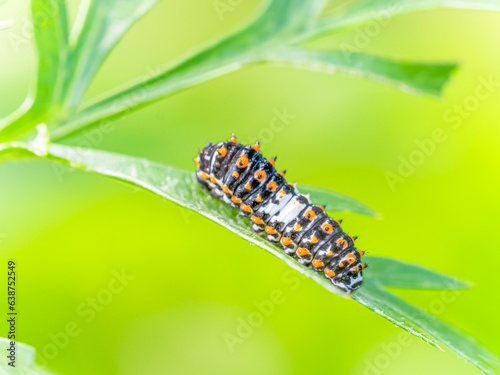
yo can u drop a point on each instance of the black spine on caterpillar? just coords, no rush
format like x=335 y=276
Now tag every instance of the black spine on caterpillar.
x=241 y=176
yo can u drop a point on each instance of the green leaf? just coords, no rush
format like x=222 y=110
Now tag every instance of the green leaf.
x=423 y=325
x=37 y=143
x=395 y=273
x=275 y=25
x=25 y=360
x=99 y=26
x=50 y=22
x=181 y=187
x=51 y=36
x=266 y=40
x=416 y=78
x=364 y=11
x=334 y=201
x=292 y=16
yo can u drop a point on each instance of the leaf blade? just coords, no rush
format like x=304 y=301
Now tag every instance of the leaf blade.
x=262 y=41
x=398 y=311
x=240 y=49
x=99 y=27
x=336 y=202
x=50 y=26
x=412 y=77
x=365 y=11
x=390 y=272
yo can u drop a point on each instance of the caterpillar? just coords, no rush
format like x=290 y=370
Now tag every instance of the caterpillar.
x=241 y=176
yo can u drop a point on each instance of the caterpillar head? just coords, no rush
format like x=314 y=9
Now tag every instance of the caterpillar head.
x=348 y=282
x=348 y=270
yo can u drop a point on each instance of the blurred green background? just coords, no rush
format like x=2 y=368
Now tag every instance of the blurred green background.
x=192 y=283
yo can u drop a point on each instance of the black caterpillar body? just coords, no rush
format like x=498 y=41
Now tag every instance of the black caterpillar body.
x=241 y=176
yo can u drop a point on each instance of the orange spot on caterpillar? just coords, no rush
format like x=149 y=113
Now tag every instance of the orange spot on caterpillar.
x=225 y=189
x=330 y=253
x=246 y=208
x=271 y=186
x=351 y=258
x=236 y=174
x=322 y=208
x=233 y=139
x=235 y=200
x=258 y=199
x=248 y=187
x=197 y=160
x=260 y=176
x=270 y=230
x=363 y=266
x=222 y=151
x=257 y=220
x=317 y=263
x=282 y=192
x=285 y=241
x=329 y=273
x=302 y=251
x=297 y=227
x=242 y=161
x=204 y=175
x=342 y=243
x=212 y=179
x=282 y=173
x=256 y=146
x=356 y=268
x=327 y=228
x=341 y=264
x=272 y=161
x=310 y=214
x=314 y=239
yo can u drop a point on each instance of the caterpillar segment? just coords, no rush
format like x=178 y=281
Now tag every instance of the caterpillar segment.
x=240 y=176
